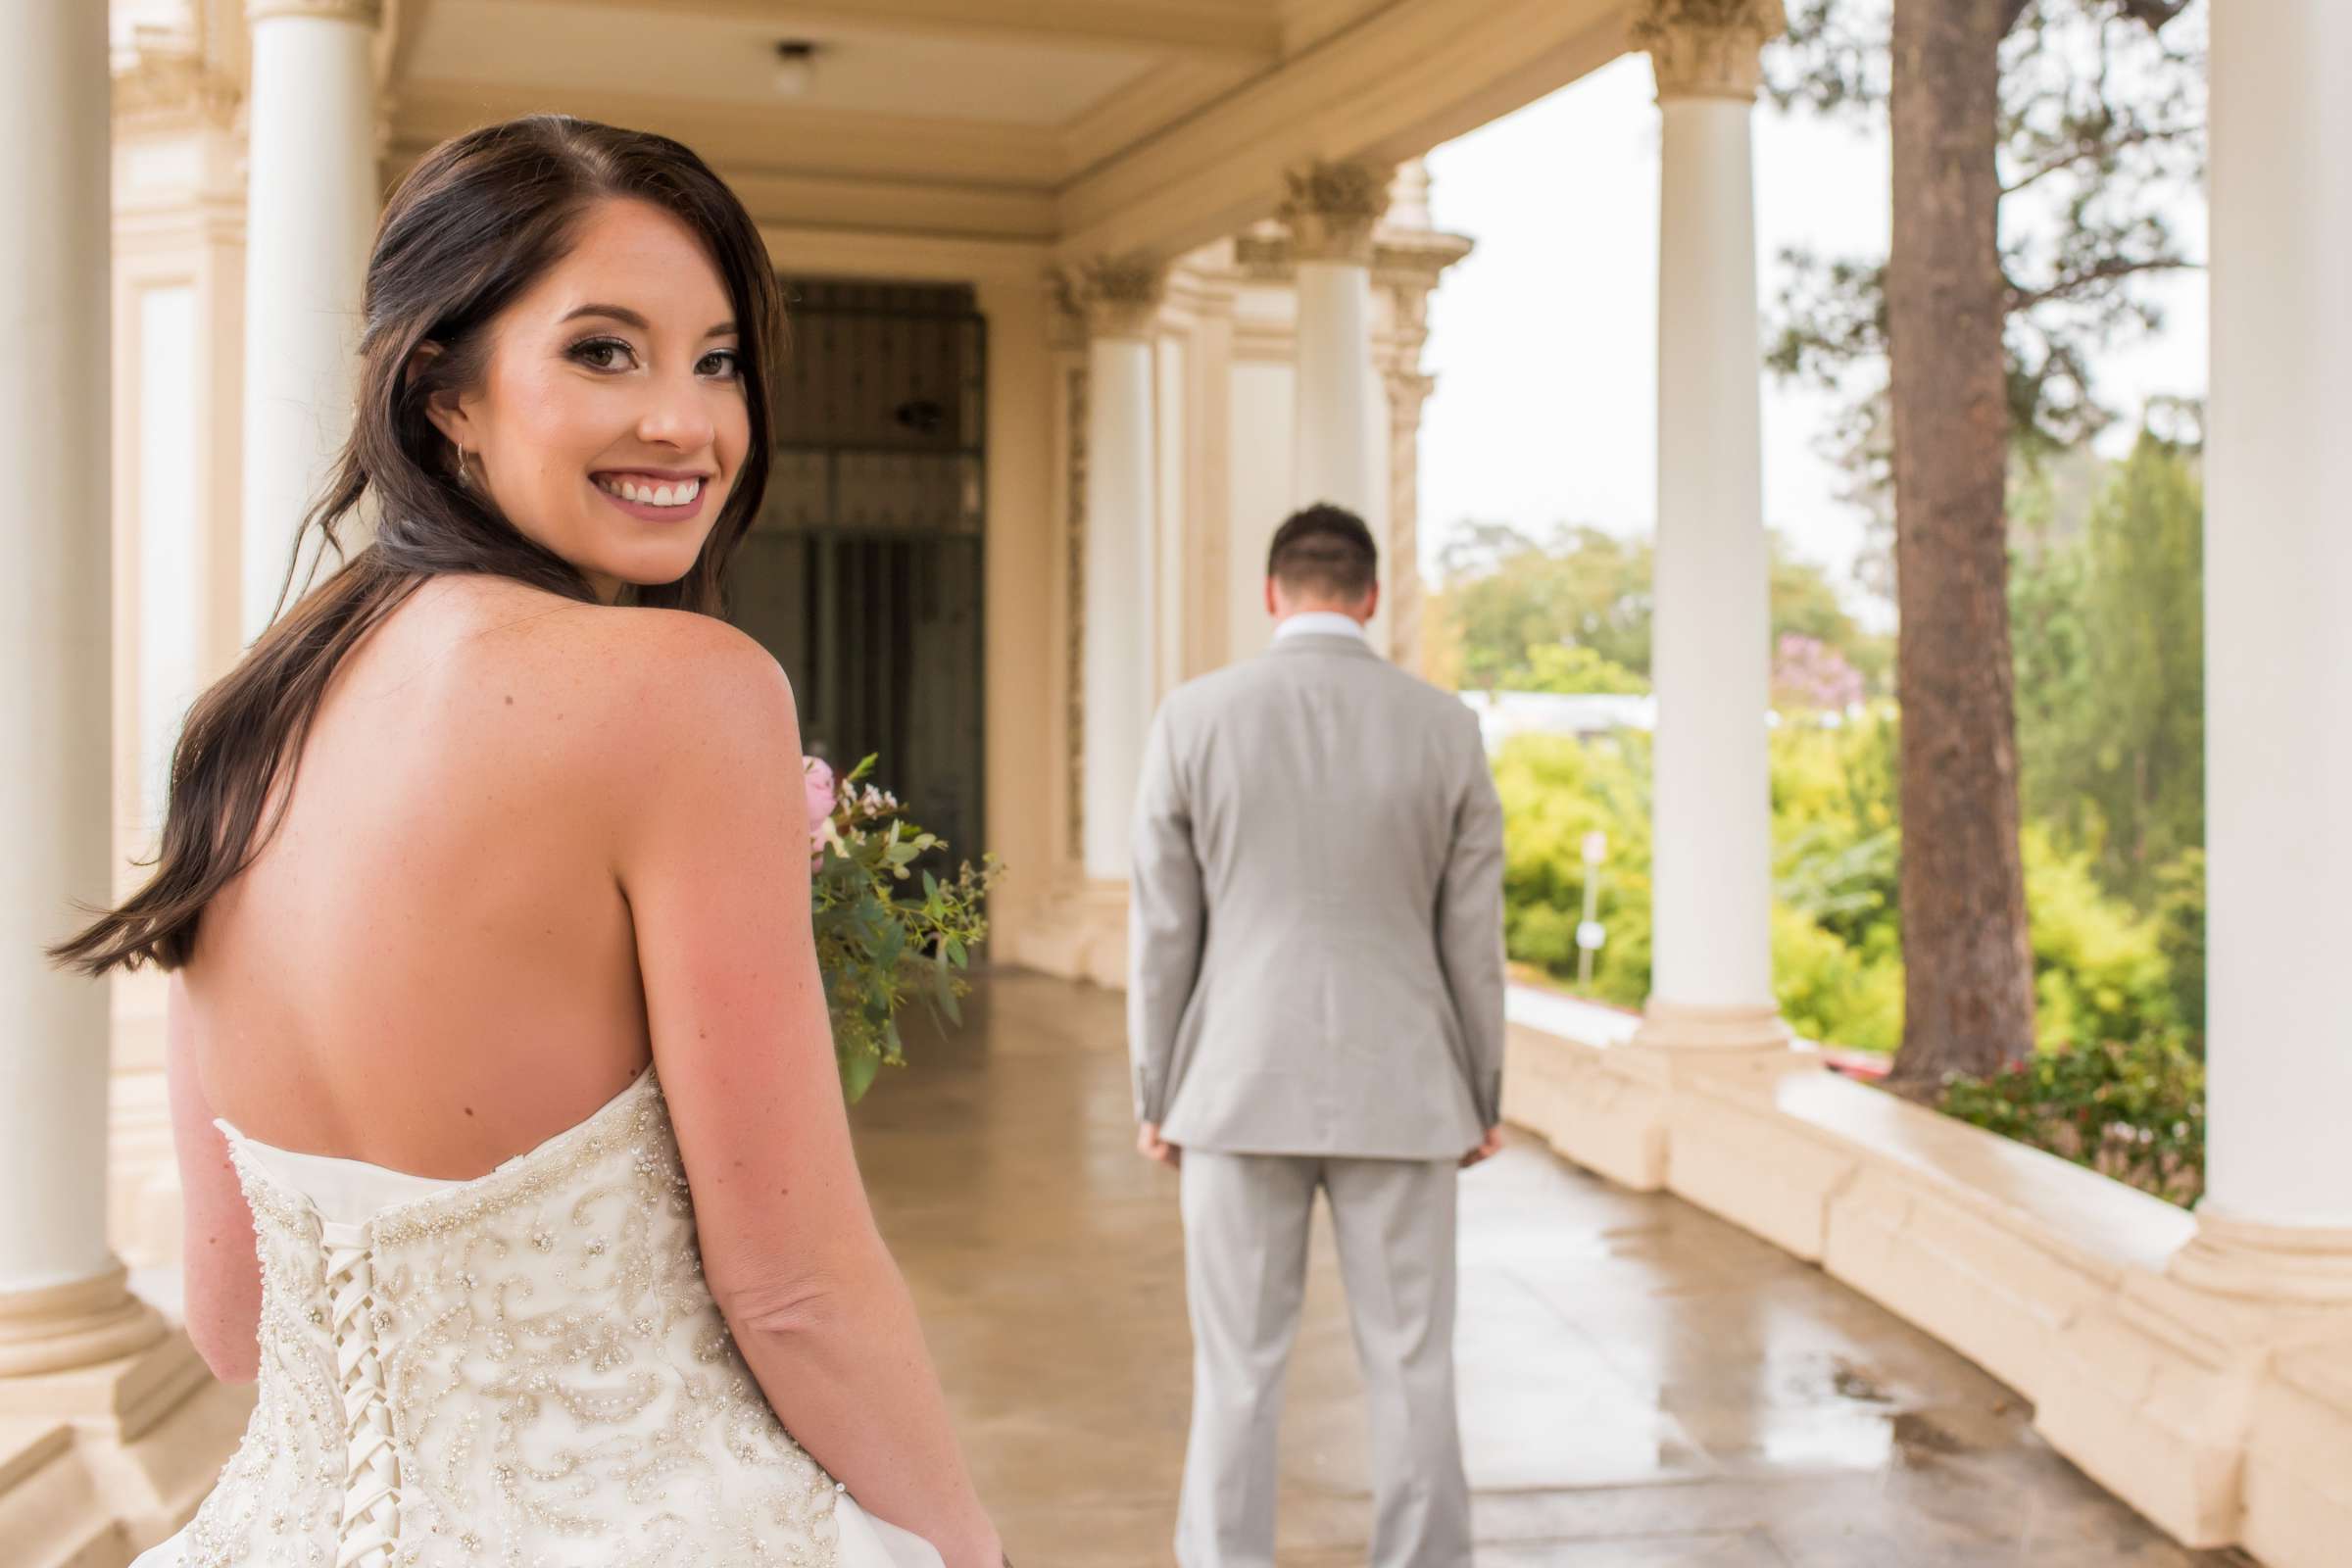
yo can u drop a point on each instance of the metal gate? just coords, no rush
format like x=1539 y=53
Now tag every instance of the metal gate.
x=863 y=572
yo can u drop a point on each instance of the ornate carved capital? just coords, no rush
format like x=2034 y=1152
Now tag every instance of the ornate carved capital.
x=1115 y=296
x=1332 y=208
x=367 y=13
x=1708 y=48
x=1408 y=390
x=167 y=76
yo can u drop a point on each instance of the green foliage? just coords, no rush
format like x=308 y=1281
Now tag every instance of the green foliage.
x=2107 y=619
x=878 y=944
x=2106 y=608
x=2100 y=970
x=2132 y=1110
x=1835 y=828
x=1806 y=604
x=1555 y=790
x=2179 y=917
x=1508 y=597
x=1506 y=593
x=2104 y=969
x=1573 y=669
x=1837 y=956
x=1831 y=991
x=2109 y=634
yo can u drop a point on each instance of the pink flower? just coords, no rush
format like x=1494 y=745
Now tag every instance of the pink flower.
x=816 y=787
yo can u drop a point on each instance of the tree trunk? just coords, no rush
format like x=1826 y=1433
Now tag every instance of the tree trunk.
x=1969 y=984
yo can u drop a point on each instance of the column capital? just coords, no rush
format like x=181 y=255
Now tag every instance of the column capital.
x=1115 y=296
x=1407 y=391
x=1707 y=48
x=367 y=13
x=168 y=77
x=1332 y=208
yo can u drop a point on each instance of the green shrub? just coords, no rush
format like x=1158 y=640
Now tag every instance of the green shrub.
x=1830 y=990
x=1555 y=790
x=2100 y=970
x=2180 y=937
x=2135 y=1112
x=1577 y=671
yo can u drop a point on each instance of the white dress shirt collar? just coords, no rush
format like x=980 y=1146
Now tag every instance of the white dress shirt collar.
x=1327 y=622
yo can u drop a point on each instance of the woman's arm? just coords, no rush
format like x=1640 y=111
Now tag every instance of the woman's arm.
x=712 y=852
x=220 y=1272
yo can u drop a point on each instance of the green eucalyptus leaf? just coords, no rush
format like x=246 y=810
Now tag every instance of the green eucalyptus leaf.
x=858 y=1075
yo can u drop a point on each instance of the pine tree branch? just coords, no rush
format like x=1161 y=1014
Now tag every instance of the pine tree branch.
x=2140 y=136
x=2105 y=271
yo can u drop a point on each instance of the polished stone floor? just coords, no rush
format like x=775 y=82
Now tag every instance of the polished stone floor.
x=1641 y=1384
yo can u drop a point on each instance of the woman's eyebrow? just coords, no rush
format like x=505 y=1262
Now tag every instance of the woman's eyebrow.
x=628 y=317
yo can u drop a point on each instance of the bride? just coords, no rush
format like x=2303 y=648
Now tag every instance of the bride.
x=515 y=1163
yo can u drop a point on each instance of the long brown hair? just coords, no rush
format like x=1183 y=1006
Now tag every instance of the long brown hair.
x=478 y=221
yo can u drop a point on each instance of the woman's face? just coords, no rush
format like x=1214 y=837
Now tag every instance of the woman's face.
x=612 y=419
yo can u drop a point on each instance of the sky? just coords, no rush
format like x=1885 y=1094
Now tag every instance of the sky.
x=1543 y=340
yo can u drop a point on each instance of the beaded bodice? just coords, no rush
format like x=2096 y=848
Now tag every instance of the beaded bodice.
x=524 y=1369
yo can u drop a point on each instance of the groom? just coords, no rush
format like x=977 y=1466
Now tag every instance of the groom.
x=1316 y=1001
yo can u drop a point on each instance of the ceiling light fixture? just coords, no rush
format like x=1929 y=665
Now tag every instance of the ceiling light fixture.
x=795 y=67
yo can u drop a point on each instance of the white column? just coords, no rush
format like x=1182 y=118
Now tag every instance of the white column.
x=1711 y=982
x=62 y=1298
x=2276 y=1219
x=1331 y=211
x=311 y=213
x=1120 y=301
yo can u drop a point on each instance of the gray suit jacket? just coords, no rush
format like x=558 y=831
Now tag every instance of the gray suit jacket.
x=1316 y=926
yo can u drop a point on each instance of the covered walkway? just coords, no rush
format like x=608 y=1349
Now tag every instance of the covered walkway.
x=1642 y=1384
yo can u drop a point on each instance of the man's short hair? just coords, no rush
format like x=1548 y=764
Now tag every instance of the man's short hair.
x=1324 y=552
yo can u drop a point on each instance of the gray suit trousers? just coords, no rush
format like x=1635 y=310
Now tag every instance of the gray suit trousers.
x=1246 y=1224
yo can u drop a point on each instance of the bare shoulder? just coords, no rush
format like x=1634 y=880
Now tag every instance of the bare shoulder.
x=644 y=672
x=669 y=665
x=635 y=699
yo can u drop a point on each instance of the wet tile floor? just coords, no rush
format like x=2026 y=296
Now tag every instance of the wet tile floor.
x=1642 y=1384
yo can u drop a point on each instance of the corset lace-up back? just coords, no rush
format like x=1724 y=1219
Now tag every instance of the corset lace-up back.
x=522 y=1369
x=370 y=1526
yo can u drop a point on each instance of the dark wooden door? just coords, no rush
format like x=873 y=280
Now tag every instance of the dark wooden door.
x=863 y=573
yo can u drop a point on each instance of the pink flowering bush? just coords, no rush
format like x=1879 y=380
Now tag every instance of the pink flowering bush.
x=1809 y=673
x=879 y=945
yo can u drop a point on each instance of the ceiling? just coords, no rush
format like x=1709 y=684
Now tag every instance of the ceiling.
x=1092 y=127
x=726 y=54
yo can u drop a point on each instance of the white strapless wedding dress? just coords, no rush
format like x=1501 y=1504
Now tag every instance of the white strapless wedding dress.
x=520 y=1370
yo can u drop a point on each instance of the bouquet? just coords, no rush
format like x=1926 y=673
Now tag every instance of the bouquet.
x=878 y=944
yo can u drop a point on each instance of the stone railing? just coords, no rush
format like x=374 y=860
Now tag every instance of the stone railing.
x=2227 y=1421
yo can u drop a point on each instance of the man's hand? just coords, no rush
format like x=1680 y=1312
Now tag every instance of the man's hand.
x=1149 y=1144
x=1487 y=1146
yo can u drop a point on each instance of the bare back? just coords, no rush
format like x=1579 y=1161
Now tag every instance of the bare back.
x=431 y=965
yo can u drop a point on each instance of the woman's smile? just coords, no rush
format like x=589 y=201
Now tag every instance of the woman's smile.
x=654 y=495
